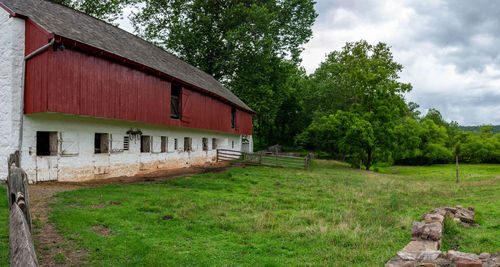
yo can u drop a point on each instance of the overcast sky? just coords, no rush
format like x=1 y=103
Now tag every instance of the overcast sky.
x=450 y=50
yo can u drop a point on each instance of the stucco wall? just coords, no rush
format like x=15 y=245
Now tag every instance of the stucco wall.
x=76 y=136
x=11 y=68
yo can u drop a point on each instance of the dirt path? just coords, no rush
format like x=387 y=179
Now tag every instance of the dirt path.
x=54 y=250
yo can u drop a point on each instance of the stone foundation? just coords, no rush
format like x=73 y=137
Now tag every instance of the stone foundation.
x=423 y=249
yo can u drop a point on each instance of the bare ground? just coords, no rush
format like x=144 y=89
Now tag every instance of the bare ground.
x=54 y=250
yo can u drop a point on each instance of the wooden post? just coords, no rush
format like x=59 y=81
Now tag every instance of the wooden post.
x=456 y=160
x=217 y=157
x=260 y=159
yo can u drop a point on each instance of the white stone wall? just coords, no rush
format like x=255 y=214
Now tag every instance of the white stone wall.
x=79 y=162
x=11 y=69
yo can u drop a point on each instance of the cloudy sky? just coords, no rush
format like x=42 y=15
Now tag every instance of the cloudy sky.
x=450 y=49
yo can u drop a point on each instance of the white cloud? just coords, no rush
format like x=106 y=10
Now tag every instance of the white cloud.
x=449 y=49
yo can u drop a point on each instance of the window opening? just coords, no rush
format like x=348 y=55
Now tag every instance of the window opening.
x=126 y=143
x=233 y=118
x=176 y=146
x=187 y=144
x=205 y=144
x=164 y=144
x=101 y=143
x=145 y=143
x=175 y=102
x=214 y=143
x=46 y=143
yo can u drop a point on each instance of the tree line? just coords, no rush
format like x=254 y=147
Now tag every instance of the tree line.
x=352 y=107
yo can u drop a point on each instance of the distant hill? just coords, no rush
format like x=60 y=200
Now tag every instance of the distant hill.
x=496 y=128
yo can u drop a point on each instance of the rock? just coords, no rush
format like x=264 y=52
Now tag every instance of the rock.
x=484 y=256
x=430 y=218
x=457 y=255
x=408 y=256
x=428 y=264
x=465 y=215
x=469 y=263
x=442 y=212
x=398 y=262
x=432 y=231
x=417 y=229
x=459 y=207
x=429 y=255
x=414 y=248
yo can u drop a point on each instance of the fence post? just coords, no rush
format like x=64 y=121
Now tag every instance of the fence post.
x=22 y=250
x=217 y=157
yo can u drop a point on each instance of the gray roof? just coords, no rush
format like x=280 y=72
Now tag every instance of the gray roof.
x=69 y=23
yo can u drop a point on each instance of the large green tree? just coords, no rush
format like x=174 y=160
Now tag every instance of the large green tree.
x=363 y=79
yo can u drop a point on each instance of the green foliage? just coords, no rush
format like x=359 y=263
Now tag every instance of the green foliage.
x=107 y=10
x=361 y=79
x=496 y=128
x=285 y=217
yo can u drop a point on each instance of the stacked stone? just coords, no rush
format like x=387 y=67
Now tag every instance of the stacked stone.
x=423 y=249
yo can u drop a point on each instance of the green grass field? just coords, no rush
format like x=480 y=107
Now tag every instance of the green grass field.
x=331 y=215
x=4 y=227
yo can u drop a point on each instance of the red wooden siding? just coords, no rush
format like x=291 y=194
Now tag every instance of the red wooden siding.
x=36 y=37
x=75 y=82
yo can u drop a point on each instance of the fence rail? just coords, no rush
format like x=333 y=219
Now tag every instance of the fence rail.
x=262 y=159
x=22 y=251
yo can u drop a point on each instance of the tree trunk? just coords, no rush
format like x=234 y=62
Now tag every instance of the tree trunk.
x=368 y=159
x=456 y=160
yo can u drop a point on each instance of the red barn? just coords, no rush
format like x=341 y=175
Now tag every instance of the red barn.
x=82 y=99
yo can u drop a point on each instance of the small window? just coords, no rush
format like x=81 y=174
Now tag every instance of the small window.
x=214 y=143
x=145 y=143
x=233 y=118
x=232 y=144
x=46 y=143
x=187 y=144
x=126 y=143
x=164 y=144
x=175 y=102
x=101 y=143
x=205 y=144
x=176 y=145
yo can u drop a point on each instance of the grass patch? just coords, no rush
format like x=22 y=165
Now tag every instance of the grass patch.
x=4 y=226
x=330 y=215
x=59 y=258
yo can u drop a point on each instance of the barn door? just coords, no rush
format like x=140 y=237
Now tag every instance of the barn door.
x=47 y=166
x=102 y=161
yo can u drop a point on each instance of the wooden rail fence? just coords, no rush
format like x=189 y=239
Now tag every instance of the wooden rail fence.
x=262 y=159
x=22 y=251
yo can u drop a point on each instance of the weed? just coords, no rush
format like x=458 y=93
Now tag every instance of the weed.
x=59 y=258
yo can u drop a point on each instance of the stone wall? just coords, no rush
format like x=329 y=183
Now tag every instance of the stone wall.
x=423 y=249
x=11 y=71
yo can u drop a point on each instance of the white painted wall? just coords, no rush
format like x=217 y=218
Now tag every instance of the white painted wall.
x=77 y=133
x=11 y=69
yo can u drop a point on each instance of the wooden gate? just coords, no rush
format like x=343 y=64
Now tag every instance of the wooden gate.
x=262 y=159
